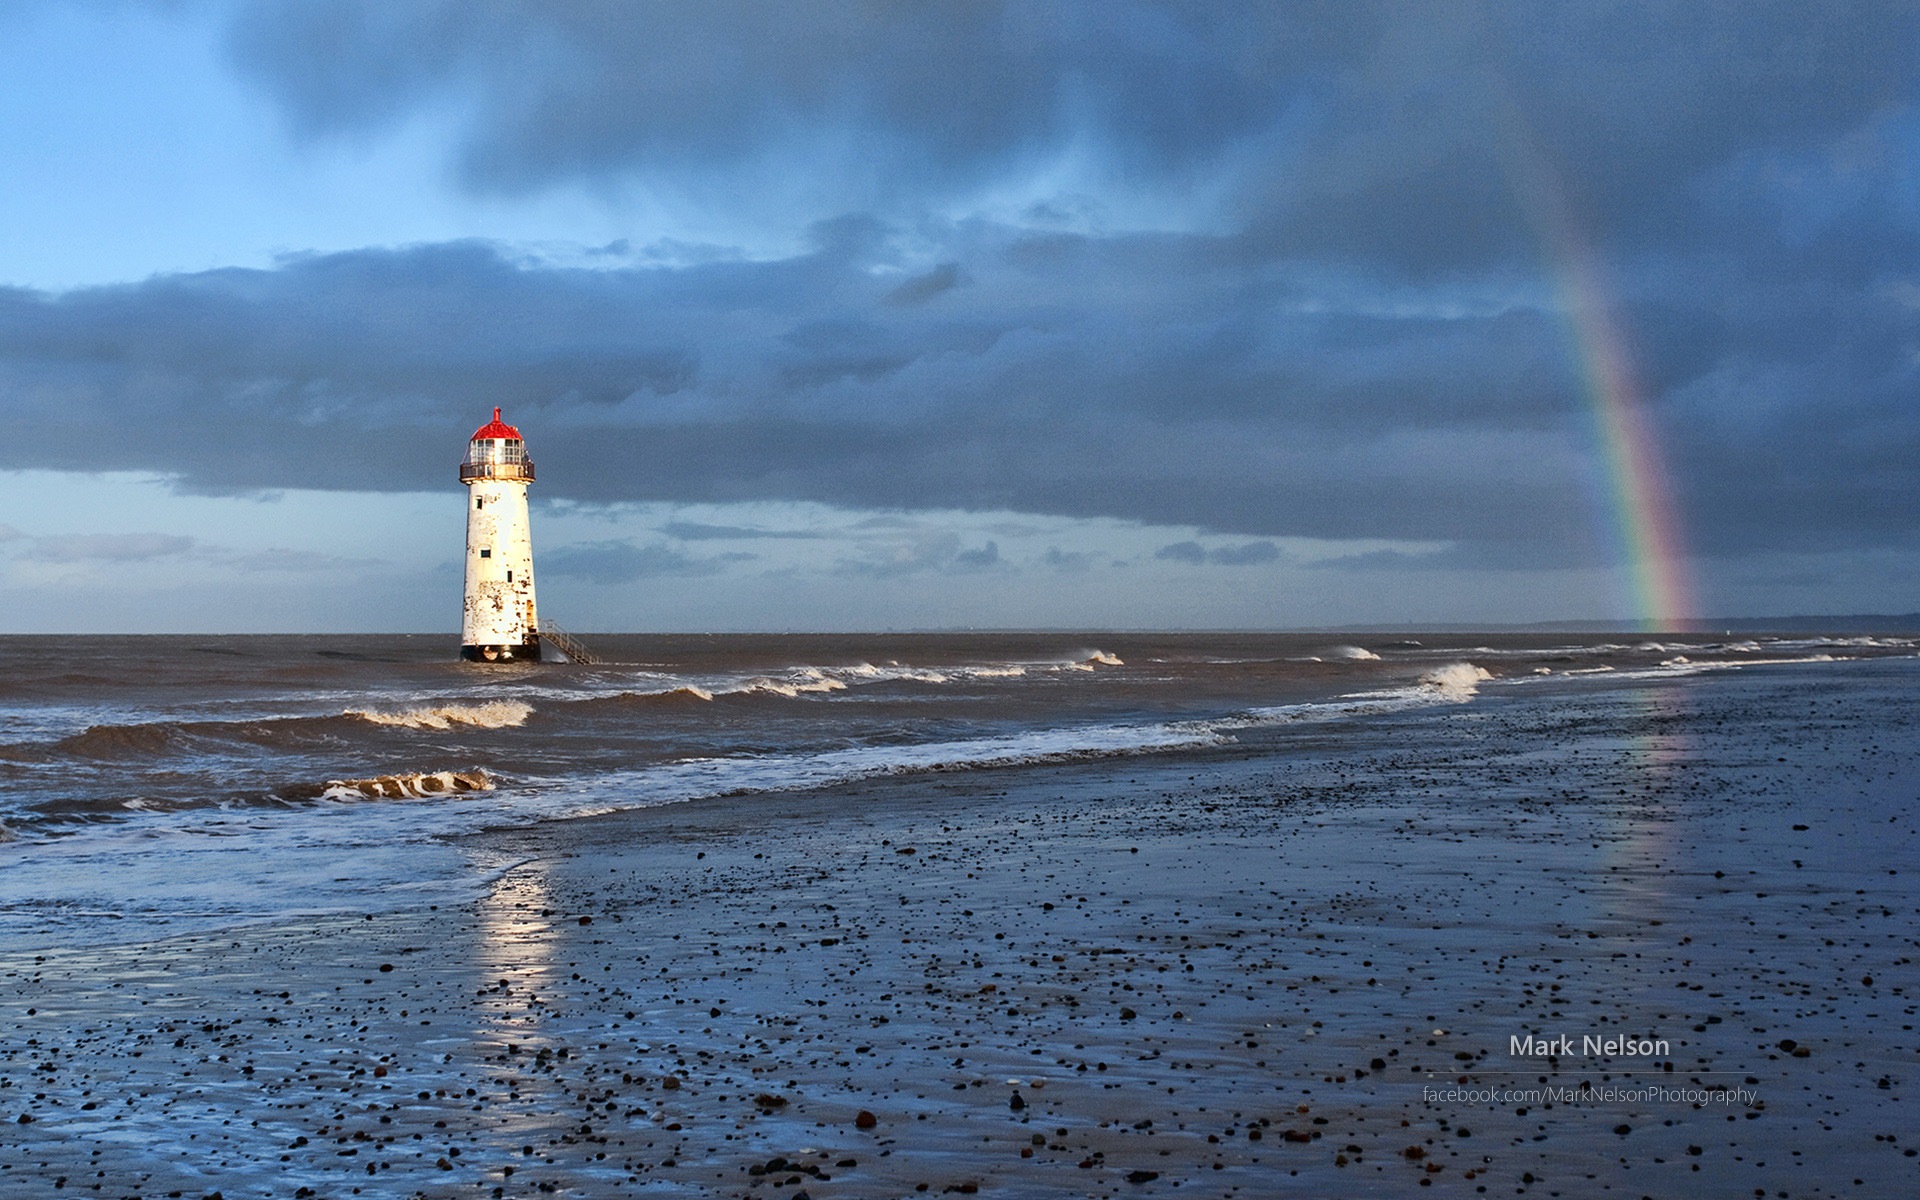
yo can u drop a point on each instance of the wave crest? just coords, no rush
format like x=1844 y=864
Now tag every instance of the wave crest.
x=123 y=741
x=490 y=714
x=805 y=679
x=417 y=785
x=1352 y=654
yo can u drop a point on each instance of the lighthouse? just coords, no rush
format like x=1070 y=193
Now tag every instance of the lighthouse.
x=498 y=623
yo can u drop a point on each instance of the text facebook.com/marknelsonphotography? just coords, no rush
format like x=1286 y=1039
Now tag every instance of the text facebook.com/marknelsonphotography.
x=1582 y=1094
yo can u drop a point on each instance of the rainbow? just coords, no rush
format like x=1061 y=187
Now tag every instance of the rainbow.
x=1645 y=521
x=1642 y=519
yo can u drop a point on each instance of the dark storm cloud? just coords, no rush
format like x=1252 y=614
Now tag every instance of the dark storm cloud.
x=1367 y=341
x=1219 y=397
x=1385 y=132
x=935 y=94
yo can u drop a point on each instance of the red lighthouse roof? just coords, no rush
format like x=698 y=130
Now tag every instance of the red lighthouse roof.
x=496 y=428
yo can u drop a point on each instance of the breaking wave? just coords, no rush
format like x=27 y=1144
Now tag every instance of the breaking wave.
x=1457 y=682
x=490 y=714
x=409 y=786
x=804 y=681
x=1351 y=654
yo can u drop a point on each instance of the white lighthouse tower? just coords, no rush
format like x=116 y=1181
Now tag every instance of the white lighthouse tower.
x=499 y=623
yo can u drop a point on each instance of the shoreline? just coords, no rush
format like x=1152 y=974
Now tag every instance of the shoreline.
x=1141 y=969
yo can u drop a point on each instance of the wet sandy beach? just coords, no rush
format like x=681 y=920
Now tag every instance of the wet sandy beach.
x=1293 y=965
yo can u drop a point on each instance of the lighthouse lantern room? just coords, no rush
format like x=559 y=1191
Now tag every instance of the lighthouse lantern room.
x=499 y=623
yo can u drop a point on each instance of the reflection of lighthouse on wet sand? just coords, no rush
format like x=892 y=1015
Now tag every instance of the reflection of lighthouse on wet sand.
x=499 y=623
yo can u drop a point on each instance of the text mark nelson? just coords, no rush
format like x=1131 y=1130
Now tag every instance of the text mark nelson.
x=1532 y=1046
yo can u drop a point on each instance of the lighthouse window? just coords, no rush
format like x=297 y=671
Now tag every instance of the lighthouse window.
x=477 y=502
x=509 y=576
x=486 y=554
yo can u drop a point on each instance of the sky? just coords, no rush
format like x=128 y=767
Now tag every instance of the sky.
x=891 y=315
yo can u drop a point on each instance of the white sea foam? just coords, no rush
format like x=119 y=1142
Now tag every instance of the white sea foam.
x=1034 y=746
x=1683 y=666
x=1352 y=654
x=489 y=714
x=892 y=672
x=1457 y=682
x=814 y=679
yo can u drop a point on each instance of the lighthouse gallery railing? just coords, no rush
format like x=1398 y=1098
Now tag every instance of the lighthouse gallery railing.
x=497 y=470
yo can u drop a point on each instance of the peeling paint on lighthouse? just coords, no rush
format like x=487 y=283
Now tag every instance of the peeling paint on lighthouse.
x=498 y=623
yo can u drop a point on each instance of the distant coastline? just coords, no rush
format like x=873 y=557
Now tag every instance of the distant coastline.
x=1802 y=623
x=1853 y=623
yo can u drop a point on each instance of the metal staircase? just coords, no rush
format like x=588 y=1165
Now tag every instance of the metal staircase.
x=566 y=644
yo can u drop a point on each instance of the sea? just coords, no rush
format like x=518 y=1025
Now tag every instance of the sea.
x=159 y=785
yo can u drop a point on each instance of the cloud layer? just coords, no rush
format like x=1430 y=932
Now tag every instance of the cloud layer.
x=1269 y=271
